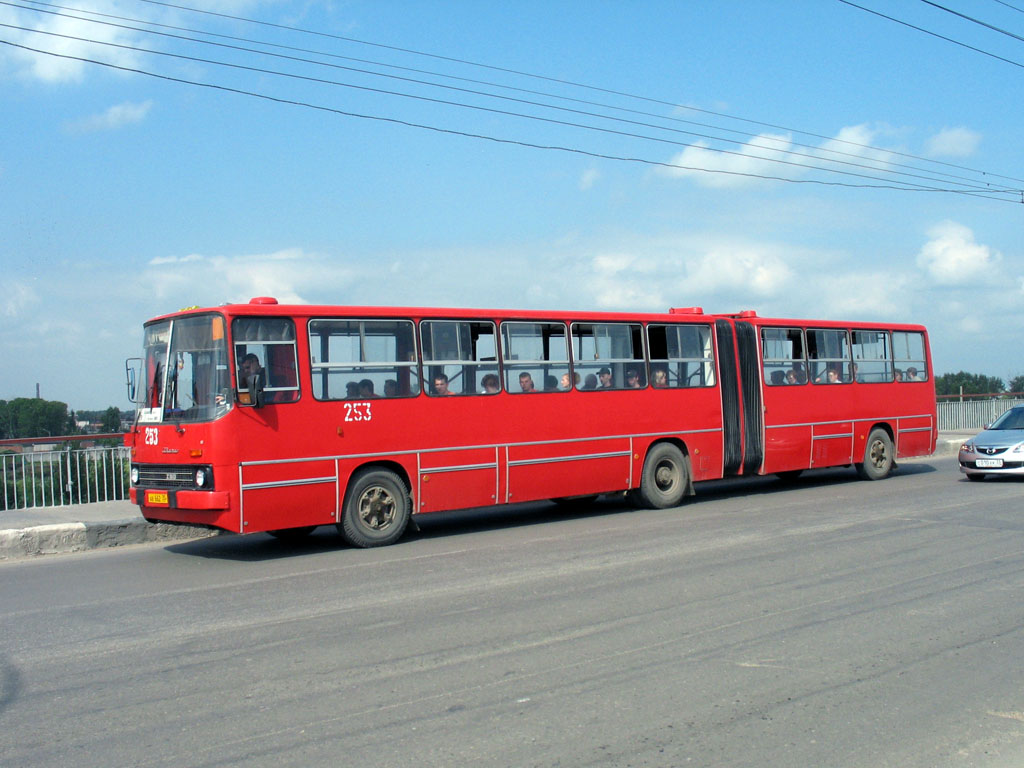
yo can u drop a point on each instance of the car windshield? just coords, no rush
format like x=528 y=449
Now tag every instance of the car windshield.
x=1012 y=419
x=185 y=370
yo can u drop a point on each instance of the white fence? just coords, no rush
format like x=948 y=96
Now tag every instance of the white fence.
x=54 y=478
x=957 y=416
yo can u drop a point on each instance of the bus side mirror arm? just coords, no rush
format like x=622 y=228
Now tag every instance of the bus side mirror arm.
x=252 y=396
x=130 y=366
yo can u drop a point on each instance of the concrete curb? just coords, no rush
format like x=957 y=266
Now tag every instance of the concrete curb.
x=78 y=537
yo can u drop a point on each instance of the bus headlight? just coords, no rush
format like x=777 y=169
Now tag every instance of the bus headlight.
x=135 y=475
x=201 y=477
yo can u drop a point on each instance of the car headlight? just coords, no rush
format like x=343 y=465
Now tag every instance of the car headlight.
x=1018 y=448
x=968 y=446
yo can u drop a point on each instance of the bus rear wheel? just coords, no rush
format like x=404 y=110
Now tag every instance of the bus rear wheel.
x=665 y=477
x=878 y=458
x=377 y=509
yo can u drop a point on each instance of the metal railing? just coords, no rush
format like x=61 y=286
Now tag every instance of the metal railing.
x=54 y=478
x=957 y=416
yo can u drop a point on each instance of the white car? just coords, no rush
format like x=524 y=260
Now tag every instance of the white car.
x=999 y=450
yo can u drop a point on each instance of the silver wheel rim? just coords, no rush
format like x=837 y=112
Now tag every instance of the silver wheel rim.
x=377 y=508
x=665 y=476
x=879 y=456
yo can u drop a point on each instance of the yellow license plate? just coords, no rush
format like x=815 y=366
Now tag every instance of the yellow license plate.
x=157 y=499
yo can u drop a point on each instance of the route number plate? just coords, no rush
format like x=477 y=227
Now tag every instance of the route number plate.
x=157 y=499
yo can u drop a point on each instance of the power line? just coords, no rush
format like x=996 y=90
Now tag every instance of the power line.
x=508 y=113
x=928 y=32
x=532 y=145
x=986 y=186
x=560 y=81
x=985 y=24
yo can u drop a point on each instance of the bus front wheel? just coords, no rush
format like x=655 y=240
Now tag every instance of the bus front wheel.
x=665 y=476
x=376 y=509
x=878 y=458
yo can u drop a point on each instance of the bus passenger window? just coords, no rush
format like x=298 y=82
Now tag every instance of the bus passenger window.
x=536 y=357
x=359 y=359
x=681 y=356
x=909 y=354
x=458 y=355
x=610 y=352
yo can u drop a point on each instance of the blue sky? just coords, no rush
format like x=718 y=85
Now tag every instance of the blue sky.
x=124 y=196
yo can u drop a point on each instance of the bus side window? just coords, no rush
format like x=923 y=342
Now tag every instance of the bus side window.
x=357 y=359
x=458 y=356
x=267 y=345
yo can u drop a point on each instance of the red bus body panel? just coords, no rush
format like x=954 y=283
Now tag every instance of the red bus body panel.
x=288 y=464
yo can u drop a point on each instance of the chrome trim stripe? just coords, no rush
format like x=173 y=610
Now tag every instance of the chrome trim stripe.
x=488 y=446
x=916 y=429
x=855 y=421
x=287 y=483
x=579 y=457
x=456 y=468
x=829 y=437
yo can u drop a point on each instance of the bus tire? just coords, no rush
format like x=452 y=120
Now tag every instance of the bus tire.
x=878 y=458
x=377 y=509
x=665 y=477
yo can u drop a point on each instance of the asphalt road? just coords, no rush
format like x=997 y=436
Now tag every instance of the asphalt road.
x=833 y=622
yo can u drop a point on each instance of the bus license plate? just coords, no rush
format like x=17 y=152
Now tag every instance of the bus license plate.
x=157 y=499
x=989 y=463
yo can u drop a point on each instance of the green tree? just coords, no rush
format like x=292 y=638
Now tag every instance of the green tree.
x=972 y=383
x=111 y=421
x=1017 y=384
x=33 y=417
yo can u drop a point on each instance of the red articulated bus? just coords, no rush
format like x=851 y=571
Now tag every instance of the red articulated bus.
x=267 y=417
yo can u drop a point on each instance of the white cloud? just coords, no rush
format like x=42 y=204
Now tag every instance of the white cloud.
x=777 y=156
x=589 y=178
x=17 y=297
x=113 y=118
x=735 y=166
x=953 y=142
x=952 y=257
x=289 y=275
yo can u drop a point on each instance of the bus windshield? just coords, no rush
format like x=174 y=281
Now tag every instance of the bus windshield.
x=185 y=370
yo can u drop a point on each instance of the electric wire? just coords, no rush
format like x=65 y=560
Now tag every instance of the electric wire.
x=787 y=152
x=979 y=22
x=466 y=134
x=933 y=34
x=467 y=62
x=818 y=151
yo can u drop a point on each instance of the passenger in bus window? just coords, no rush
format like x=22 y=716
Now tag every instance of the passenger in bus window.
x=249 y=366
x=792 y=377
x=550 y=383
x=590 y=382
x=659 y=378
x=605 y=377
x=441 y=385
x=526 y=382
x=390 y=388
x=777 y=377
x=912 y=374
x=352 y=390
x=567 y=383
x=832 y=376
x=632 y=379
x=366 y=390
x=899 y=375
x=490 y=384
